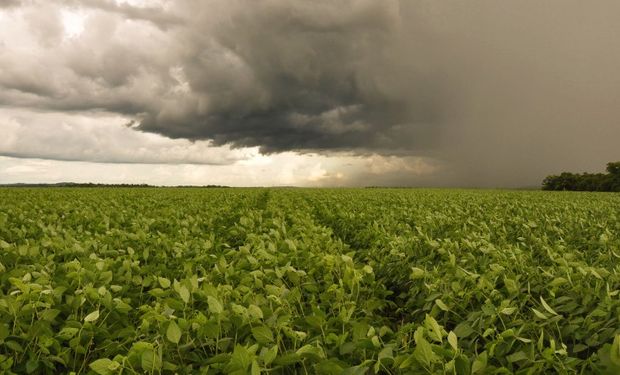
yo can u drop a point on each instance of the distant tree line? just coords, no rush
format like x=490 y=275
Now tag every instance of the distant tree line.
x=609 y=181
x=97 y=185
x=75 y=185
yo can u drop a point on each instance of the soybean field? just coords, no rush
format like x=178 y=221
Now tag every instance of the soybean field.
x=308 y=281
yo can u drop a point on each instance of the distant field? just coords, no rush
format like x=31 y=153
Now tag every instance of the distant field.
x=363 y=281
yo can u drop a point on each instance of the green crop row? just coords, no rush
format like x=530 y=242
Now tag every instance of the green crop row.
x=282 y=281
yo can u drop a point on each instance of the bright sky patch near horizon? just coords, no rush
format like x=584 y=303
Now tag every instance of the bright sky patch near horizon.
x=322 y=93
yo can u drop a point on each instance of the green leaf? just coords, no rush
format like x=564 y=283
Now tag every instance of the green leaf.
x=68 y=332
x=163 y=282
x=14 y=345
x=431 y=324
x=539 y=314
x=150 y=361
x=331 y=367
x=523 y=339
x=511 y=286
x=508 y=310
x=49 y=315
x=4 y=332
x=540 y=344
x=268 y=355
x=31 y=365
x=479 y=364
x=173 y=333
x=416 y=273
x=462 y=365
x=240 y=359
x=215 y=306
x=406 y=362
x=516 y=357
x=103 y=366
x=262 y=334
x=255 y=369
x=558 y=281
x=463 y=330
x=386 y=353
x=310 y=351
x=488 y=332
x=614 y=354
x=183 y=293
x=92 y=317
x=287 y=359
x=255 y=312
x=442 y=305
x=547 y=307
x=423 y=351
x=375 y=341
x=453 y=341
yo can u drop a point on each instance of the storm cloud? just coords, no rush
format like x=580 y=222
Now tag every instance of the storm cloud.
x=295 y=76
x=499 y=94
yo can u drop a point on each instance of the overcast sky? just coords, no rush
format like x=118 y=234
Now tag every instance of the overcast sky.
x=309 y=93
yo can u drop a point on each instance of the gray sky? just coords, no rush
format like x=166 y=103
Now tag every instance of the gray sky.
x=316 y=93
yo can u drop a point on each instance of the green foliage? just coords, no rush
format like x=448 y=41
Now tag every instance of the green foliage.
x=614 y=168
x=586 y=181
x=125 y=281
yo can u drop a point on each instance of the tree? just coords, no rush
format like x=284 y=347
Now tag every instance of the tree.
x=586 y=181
x=614 y=168
x=614 y=172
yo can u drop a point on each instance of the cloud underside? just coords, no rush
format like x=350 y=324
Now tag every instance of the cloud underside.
x=497 y=92
x=279 y=75
x=102 y=138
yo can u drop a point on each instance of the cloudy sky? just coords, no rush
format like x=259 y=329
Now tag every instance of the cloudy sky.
x=308 y=93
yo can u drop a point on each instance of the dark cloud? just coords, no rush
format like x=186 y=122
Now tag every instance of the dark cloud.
x=500 y=94
x=293 y=75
